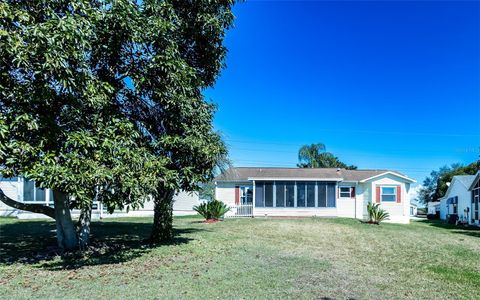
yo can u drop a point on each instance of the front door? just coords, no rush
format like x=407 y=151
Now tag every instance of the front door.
x=246 y=195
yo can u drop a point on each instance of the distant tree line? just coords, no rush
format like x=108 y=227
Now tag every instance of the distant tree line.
x=435 y=186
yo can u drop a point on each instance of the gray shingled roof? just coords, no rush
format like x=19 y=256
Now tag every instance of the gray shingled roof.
x=243 y=173
x=467 y=180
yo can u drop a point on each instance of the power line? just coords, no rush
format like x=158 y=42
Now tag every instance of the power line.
x=287 y=164
x=464 y=149
x=399 y=151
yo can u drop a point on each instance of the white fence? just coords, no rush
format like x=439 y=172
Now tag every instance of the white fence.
x=239 y=211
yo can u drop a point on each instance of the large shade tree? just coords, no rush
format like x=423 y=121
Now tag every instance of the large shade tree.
x=102 y=100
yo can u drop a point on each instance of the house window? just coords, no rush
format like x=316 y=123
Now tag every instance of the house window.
x=322 y=194
x=310 y=194
x=331 y=195
x=290 y=194
x=301 y=194
x=388 y=194
x=259 y=194
x=246 y=195
x=269 y=194
x=476 y=202
x=345 y=192
x=280 y=194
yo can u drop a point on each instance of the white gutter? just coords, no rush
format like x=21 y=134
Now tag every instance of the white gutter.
x=293 y=179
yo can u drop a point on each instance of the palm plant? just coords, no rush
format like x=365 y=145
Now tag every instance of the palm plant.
x=212 y=210
x=217 y=209
x=202 y=210
x=315 y=156
x=376 y=214
x=309 y=155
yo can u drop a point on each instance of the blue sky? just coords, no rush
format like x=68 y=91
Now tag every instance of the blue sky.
x=386 y=85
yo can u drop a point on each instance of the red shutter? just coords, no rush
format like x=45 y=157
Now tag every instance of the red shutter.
x=237 y=195
x=378 y=194
x=353 y=192
x=399 y=194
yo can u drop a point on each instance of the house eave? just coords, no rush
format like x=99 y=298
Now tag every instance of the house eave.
x=477 y=177
x=292 y=179
x=391 y=173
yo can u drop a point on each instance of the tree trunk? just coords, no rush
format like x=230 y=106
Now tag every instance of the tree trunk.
x=163 y=216
x=84 y=227
x=66 y=235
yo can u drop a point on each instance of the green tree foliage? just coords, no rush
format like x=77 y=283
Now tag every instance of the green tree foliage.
x=315 y=156
x=435 y=186
x=102 y=99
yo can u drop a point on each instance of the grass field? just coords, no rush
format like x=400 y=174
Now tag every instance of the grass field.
x=246 y=258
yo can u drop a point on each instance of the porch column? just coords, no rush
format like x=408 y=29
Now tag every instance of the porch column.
x=253 y=200
x=47 y=196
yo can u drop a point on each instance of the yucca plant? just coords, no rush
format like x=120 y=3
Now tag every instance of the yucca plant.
x=376 y=214
x=212 y=210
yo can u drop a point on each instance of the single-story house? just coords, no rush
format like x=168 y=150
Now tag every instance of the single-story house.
x=462 y=199
x=20 y=189
x=296 y=192
x=433 y=207
x=413 y=209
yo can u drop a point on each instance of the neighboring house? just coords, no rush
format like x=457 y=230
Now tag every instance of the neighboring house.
x=23 y=190
x=475 y=200
x=461 y=199
x=433 y=208
x=413 y=209
x=293 y=192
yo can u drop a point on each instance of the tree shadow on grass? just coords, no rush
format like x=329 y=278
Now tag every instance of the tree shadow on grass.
x=472 y=231
x=34 y=242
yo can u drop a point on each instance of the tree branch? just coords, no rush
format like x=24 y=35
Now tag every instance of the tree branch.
x=36 y=208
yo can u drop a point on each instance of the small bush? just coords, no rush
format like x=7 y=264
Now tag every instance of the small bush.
x=376 y=214
x=432 y=217
x=212 y=210
x=452 y=219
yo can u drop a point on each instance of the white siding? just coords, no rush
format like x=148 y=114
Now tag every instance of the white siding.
x=399 y=212
x=345 y=207
x=184 y=202
x=432 y=207
x=14 y=188
x=443 y=209
x=225 y=192
x=459 y=190
x=10 y=187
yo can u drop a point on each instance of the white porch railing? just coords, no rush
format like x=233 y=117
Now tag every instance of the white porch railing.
x=240 y=210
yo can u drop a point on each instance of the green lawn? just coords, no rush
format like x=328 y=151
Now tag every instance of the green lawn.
x=246 y=258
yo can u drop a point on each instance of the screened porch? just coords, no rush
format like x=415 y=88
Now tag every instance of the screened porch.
x=295 y=194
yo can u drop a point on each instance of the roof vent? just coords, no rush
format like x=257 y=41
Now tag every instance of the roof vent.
x=338 y=169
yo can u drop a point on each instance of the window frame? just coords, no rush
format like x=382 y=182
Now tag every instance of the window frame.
x=394 y=193
x=244 y=194
x=349 y=191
